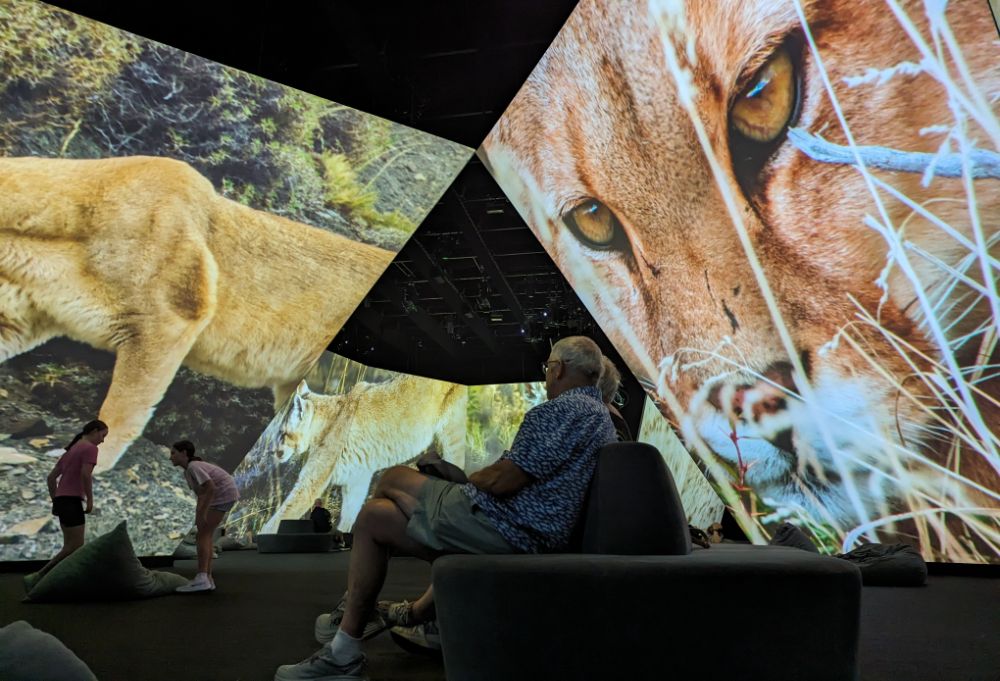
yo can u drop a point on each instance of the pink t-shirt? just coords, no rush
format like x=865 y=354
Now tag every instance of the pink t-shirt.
x=70 y=468
x=198 y=472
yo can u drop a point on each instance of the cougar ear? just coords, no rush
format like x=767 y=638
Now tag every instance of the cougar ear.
x=303 y=389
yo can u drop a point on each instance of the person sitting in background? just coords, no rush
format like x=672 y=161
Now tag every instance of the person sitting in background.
x=217 y=494
x=526 y=502
x=320 y=517
x=610 y=381
x=71 y=483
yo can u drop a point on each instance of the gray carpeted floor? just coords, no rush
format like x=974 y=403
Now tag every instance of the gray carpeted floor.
x=262 y=616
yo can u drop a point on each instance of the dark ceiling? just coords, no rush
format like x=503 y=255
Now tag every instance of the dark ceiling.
x=473 y=297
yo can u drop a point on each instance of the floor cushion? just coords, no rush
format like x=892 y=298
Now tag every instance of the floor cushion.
x=888 y=564
x=103 y=569
x=789 y=535
x=226 y=543
x=29 y=654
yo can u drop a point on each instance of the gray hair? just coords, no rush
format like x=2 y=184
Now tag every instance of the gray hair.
x=581 y=354
x=609 y=381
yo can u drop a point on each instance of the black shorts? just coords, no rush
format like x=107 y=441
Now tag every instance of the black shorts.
x=69 y=510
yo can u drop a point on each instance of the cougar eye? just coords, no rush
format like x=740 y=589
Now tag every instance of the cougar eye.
x=595 y=225
x=763 y=112
x=764 y=108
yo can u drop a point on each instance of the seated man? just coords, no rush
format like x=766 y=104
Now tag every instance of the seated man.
x=526 y=502
x=320 y=517
x=419 y=633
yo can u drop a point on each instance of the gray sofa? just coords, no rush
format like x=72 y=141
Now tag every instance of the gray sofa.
x=296 y=536
x=638 y=603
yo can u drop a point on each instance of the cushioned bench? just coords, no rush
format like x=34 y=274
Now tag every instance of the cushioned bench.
x=778 y=613
x=295 y=536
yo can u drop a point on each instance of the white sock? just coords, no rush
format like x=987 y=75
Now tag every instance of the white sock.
x=344 y=648
x=201 y=576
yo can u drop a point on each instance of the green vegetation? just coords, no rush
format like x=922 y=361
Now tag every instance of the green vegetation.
x=495 y=413
x=343 y=189
x=70 y=87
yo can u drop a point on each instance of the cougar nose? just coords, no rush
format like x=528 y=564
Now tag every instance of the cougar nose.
x=729 y=399
x=751 y=401
x=739 y=394
x=770 y=392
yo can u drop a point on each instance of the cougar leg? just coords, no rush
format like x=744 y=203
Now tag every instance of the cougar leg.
x=353 y=495
x=451 y=438
x=144 y=368
x=313 y=479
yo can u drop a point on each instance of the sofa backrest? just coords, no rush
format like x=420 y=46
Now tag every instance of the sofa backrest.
x=632 y=506
x=291 y=526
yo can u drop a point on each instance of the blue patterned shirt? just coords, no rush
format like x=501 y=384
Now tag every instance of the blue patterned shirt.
x=557 y=446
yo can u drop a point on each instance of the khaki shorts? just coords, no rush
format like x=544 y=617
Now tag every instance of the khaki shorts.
x=446 y=520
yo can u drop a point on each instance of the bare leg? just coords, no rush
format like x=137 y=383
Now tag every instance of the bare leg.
x=204 y=540
x=423 y=608
x=380 y=527
x=72 y=540
x=402 y=485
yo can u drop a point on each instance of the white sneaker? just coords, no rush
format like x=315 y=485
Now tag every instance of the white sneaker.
x=201 y=582
x=321 y=667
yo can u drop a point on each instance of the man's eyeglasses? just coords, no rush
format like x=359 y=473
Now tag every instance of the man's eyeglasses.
x=545 y=365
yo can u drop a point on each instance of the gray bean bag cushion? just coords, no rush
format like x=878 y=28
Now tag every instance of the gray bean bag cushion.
x=185 y=551
x=28 y=654
x=102 y=570
x=888 y=565
x=225 y=543
x=789 y=535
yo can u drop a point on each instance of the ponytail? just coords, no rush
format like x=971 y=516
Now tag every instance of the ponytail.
x=89 y=428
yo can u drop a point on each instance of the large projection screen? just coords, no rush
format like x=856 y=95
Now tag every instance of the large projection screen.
x=702 y=504
x=348 y=422
x=784 y=214
x=179 y=242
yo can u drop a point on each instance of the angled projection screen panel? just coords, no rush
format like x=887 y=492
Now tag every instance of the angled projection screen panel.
x=348 y=422
x=180 y=241
x=345 y=424
x=777 y=238
x=701 y=503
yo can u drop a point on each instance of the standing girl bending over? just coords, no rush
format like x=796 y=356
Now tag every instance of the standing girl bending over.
x=217 y=493
x=71 y=484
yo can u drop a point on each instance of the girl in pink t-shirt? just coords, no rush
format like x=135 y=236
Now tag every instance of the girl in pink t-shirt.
x=71 y=485
x=217 y=493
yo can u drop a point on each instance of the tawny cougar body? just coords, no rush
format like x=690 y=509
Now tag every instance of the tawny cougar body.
x=141 y=256
x=348 y=438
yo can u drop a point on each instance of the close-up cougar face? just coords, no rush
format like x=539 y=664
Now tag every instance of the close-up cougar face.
x=816 y=317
